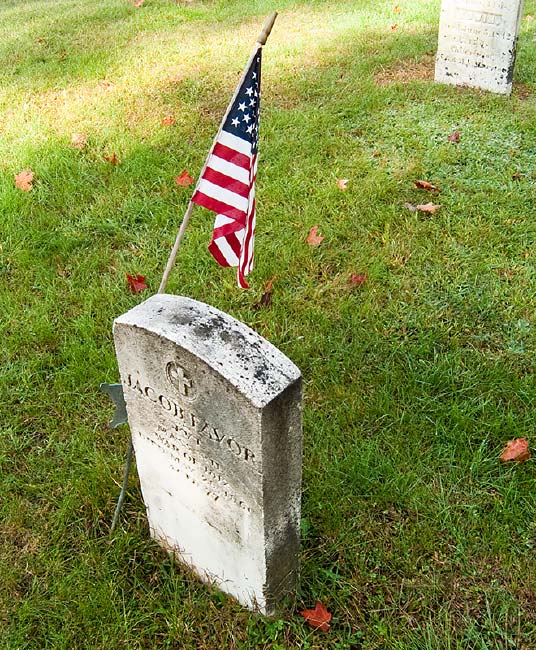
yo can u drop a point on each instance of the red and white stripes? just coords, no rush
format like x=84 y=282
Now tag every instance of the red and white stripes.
x=227 y=187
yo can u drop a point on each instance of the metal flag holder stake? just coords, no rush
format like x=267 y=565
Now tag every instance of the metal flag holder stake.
x=115 y=391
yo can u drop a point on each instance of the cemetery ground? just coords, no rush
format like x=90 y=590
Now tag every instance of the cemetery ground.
x=414 y=331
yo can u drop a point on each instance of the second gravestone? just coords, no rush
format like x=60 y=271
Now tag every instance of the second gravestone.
x=477 y=43
x=215 y=416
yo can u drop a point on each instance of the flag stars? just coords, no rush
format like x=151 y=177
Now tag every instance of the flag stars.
x=242 y=106
x=250 y=128
x=246 y=118
x=249 y=91
x=252 y=102
x=235 y=122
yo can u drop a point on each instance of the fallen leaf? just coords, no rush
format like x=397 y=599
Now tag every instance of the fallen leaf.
x=318 y=617
x=138 y=3
x=396 y=9
x=78 y=140
x=342 y=184
x=270 y=282
x=425 y=185
x=517 y=449
x=528 y=17
x=265 y=301
x=136 y=283
x=313 y=238
x=394 y=28
x=517 y=176
x=454 y=137
x=184 y=179
x=266 y=298
x=24 y=180
x=168 y=121
x=357 y=279
x=430 y=208
x=113 y=159
x=106 y=84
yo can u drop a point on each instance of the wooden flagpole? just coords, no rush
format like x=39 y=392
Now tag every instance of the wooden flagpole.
x=261 y=40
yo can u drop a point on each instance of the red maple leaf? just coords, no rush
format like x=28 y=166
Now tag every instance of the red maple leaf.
x=357 y=279
x=184 y=179
x=517 y=449
x=454 y=137
x=313 y=238
x=318 y=617
x=136 y=283
x=168 y=121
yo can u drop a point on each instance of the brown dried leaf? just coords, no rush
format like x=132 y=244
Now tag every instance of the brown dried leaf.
x=454 y=137
x=357 y=279
x=396 y=9
x=24 y=180
x=313 y=238
x=266 y=298
x=78 y=140
x=517 y=449
x=113 y=159
x=342 y=184
x=394 y=27
x=430 y=208
x=425 y=185
x=138 y=3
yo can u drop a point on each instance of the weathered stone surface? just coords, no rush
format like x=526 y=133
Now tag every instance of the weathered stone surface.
x=477 y=43
x=215 y=415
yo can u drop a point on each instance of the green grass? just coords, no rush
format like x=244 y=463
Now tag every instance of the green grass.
x=414 y=535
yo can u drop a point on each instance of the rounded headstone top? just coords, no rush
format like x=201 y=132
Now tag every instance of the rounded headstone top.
x=244 y=358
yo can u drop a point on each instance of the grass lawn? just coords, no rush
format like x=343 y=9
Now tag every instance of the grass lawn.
x=415 y=536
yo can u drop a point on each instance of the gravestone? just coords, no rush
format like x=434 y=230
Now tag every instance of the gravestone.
x=215 y=415
x=477 y=43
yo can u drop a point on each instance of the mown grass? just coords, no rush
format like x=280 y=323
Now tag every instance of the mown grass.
x=414 y=535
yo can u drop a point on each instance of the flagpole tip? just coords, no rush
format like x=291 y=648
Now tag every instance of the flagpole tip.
x=267 y=28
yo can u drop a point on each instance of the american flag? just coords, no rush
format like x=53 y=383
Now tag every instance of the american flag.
x=227 y=184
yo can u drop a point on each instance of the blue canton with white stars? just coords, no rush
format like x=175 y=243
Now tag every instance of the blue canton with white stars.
x=243 y=118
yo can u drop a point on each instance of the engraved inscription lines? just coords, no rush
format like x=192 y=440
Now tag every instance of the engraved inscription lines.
x=187 y=440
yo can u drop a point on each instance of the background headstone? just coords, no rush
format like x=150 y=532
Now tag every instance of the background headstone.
x=215 y=415
x=477 y=43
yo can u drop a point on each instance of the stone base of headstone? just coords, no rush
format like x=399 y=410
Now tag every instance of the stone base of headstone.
x=477 y=43
x=215 y=416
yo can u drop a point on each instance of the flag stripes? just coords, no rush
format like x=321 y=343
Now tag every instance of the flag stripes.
x=227 y=184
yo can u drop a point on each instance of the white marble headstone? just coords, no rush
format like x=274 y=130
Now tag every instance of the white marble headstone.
x=477 y=43
x=215 y=415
